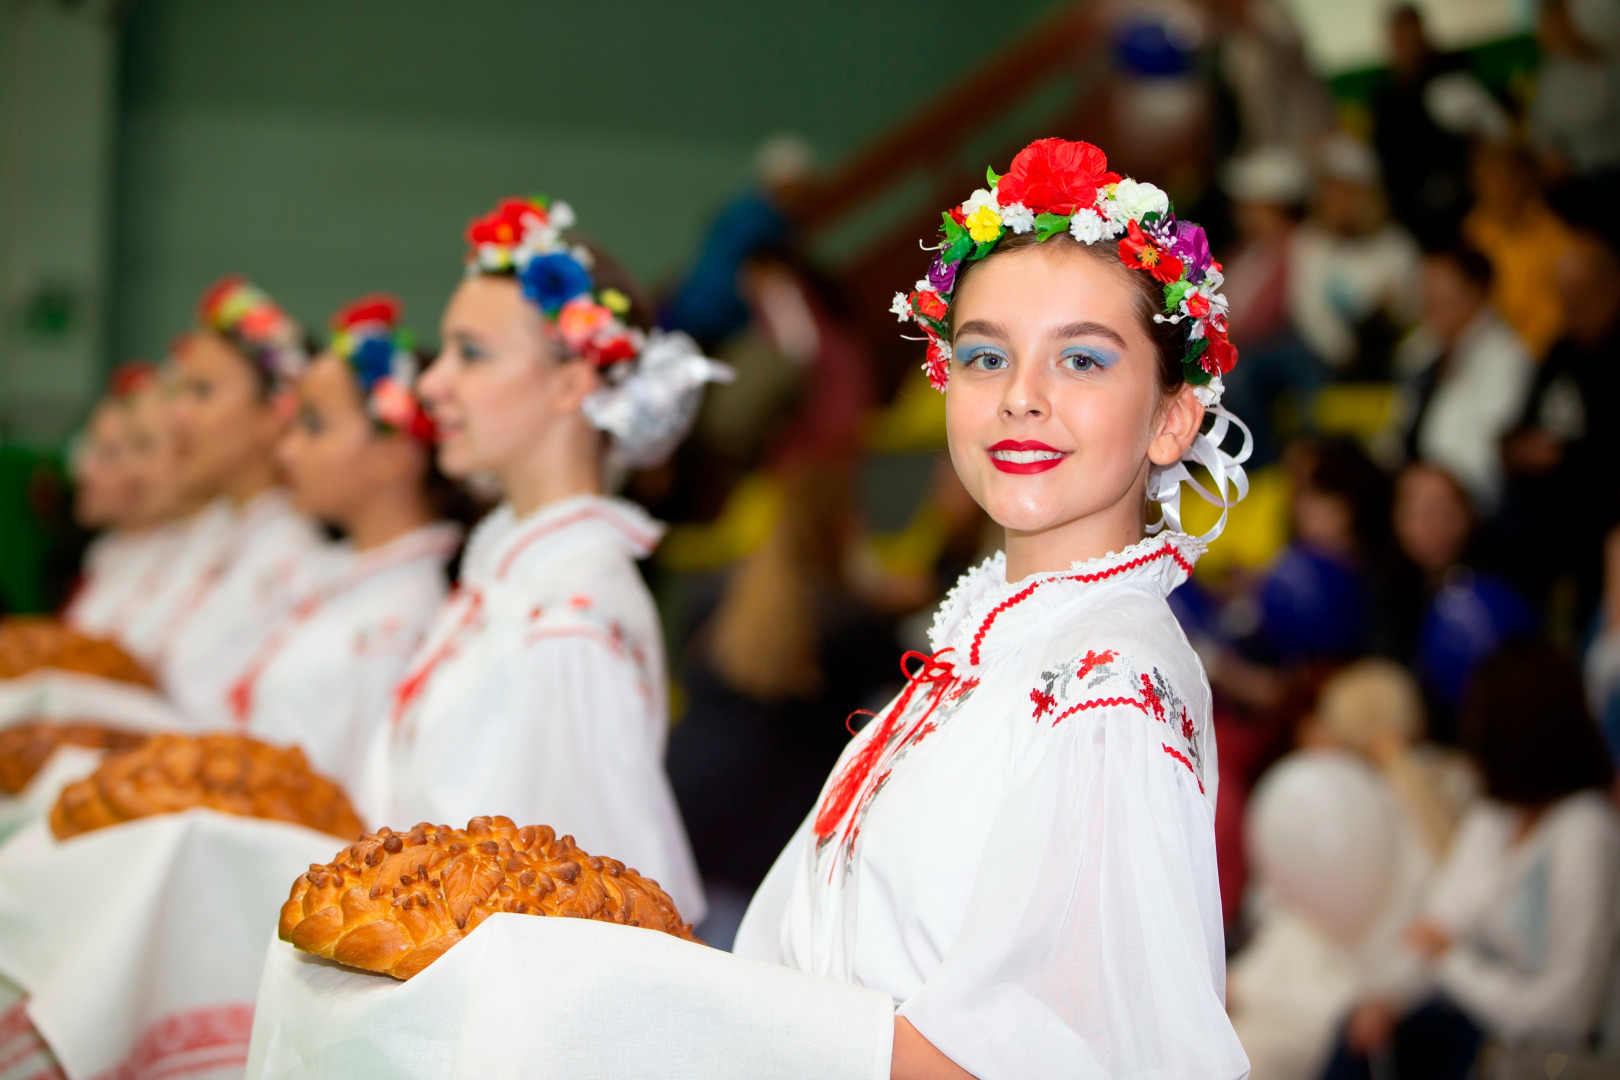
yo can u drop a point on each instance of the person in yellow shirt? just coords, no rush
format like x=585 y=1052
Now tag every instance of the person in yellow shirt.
x=1512 y=225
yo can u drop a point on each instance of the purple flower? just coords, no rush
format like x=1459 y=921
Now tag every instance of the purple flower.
x=1191 y=246
x=942 y=275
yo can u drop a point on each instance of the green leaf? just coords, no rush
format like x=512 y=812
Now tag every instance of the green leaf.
x=1174 y=293
x=990 y=175
x=984 y=247
x=959 y=248
x=933 y=324
x=1195 y=373
x=953 y=231
x=1049 y=225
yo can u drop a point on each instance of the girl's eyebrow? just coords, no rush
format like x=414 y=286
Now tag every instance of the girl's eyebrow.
x=1089 y=329
x=983 y=327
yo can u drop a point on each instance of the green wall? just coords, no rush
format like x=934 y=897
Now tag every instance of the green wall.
x=329 y=148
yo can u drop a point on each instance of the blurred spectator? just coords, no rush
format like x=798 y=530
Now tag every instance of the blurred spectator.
x=1424 y=162
x=778 y=659
x=1603 y=656
x=1354 y=271
x=1557 y=457
x=1455 y=614
x=1341 y=872
x=1374 y=708
x=1513 y=227
x=1260 y=61
x=107 y=491
x=1267 y=189
x=1574 y=119
x=707 y=304
x=1466 y=375
x=1519 y=930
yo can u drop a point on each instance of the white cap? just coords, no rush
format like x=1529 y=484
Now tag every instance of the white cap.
x=1271 y=174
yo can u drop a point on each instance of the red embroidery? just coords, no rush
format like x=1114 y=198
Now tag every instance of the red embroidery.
x=1044 y=702
x=580 y=603
x=1166 y=551
x=1093 y=660
x=963 y=688
x=1187 y=728
x=1097 y=703
x=22 y=1051
x=937 y=675
x=1151 y=698
x=197 y=1040
x=412 y=685
x=644 y=542
x=1179 y=756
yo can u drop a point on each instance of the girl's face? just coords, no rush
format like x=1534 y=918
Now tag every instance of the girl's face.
x=107 y=491
x=223 y=424
x=1054 y=410
x=152 y=455
x=327 y=452
x=499 y=385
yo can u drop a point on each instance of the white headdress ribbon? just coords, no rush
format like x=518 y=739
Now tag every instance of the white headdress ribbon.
x=1225 y=470
x=652 y=406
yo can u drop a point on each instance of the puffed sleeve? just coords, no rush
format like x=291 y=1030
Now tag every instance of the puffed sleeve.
x=1091 y=945
x=561 y=733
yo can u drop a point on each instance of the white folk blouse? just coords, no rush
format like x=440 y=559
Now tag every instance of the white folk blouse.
x=1020 y=849
x=324 y=679
x=540 y=694
x=143 y=622
x=267 y=559
x=116 y=566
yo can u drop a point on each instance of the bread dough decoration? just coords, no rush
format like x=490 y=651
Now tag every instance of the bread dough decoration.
x=229 y=773
x=394 y=902
x=29 y=644
x=26 y=747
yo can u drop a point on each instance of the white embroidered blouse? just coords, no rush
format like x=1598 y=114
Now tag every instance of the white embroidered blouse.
x=1020 y=849
x=540 y=694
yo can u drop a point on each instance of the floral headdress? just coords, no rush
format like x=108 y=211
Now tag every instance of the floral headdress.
x=366 y=334
x=654 y=380
x=1055 y=186
x=245 y=316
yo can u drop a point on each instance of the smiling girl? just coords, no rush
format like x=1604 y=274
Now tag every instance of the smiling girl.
x=1020 y=848
x=540 y=693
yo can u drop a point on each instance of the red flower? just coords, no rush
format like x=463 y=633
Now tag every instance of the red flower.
x=1055 y=176
x=957 y=216
x=216 y=294
x=1197 y=305
x=504 y=226
x=606 y=353
x=938 y=365
x=1139 y=252
x=1219 y=357
x=376 y=308
x=928 y=303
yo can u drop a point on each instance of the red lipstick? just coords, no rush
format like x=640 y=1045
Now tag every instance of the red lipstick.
x=1026 y=456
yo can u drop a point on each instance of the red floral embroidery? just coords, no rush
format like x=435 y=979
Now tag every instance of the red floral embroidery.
x=1044 y=702
x=1093 y=660
x=1187 y=728
x=1151 y=697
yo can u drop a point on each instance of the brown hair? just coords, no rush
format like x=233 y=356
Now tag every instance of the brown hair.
x=1169 y=339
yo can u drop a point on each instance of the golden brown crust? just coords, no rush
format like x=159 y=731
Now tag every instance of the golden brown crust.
x=28 y=644
x=26 y=747
x=229 y=773
x=394 y=902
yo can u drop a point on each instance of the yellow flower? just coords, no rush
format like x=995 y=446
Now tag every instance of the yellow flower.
x=615 y=301
x=984 y=224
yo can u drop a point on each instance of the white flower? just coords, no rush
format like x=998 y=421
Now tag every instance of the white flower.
x=1018 y=217
x=1087 y=226
x=582 y=255
x=943 y=346
x=562 y=215
x=901 y=306
x=980 y=198
x=1132 y=199
x=1209 y=395
x=1213 y=280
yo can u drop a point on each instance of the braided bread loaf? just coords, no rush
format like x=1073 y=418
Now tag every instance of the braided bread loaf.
x=29 y=644
x=26 y=747
x=394 y=902
x=229 y=773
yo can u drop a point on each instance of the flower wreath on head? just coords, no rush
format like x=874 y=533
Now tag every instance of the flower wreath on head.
x=1056 y=186
x=366 y=334
x=654 y=380
x=244 y=315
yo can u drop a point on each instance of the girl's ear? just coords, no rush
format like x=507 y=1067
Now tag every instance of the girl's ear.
x=1180 y=417
x=576 y=380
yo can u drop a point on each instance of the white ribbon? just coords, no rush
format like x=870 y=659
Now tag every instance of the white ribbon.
x=652 y=407
x=1226 y=470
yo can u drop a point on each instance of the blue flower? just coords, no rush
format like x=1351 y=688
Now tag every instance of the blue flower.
x=373 y=357
x=553 y=280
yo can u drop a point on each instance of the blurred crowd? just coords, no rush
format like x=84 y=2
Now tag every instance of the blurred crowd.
x=1411 y=628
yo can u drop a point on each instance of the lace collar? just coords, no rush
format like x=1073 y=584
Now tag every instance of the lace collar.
x=1158 y=563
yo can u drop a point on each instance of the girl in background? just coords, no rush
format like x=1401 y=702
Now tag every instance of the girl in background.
x=541 y=693
x=357 y=457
